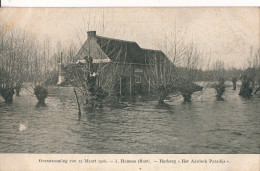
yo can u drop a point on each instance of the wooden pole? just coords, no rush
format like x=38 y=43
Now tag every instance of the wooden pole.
x=120 y=85
x=60 y=64
x=130 y=85
x=149 y=84
x=76 y=95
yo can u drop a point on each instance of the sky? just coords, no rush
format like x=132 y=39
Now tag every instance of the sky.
x=220 y=33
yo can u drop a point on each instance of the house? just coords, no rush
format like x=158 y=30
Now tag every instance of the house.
x=123 y=67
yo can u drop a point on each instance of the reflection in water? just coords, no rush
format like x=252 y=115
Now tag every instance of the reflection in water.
x=163 y=106
x=39 y=104
x=186 y=103
x=220 y=99
x=134 y=125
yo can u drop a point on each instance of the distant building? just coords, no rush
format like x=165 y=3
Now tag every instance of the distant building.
x=123 y=67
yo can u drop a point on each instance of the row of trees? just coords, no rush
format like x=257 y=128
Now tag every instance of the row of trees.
x=180 y=75
x=23 y=59
x=17 y=51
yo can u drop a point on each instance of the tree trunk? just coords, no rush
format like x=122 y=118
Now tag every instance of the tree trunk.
x=41 y=94
x=220 y=88
x=245 y=89
x=234 y=86
x=17 y=90
x=234 y=81
x=7 y=94
x=186 y=96
x=162 y=94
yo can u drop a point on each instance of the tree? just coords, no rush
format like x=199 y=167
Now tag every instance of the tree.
x=14 y=54
x=179 y=74
x=251 y=75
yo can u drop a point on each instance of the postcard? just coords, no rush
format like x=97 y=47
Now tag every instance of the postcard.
x=173 y=88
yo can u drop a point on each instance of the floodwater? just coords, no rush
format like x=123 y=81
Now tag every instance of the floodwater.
x=204 y=125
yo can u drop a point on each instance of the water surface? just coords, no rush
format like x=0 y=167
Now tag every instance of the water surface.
x=203 y=126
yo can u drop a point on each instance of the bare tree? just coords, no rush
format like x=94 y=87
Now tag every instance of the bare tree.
x=83 y=76
x=251 y=75
x=14 y=59
x=180 y=73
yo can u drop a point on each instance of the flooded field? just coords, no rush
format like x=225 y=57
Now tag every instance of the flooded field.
x=202 y=126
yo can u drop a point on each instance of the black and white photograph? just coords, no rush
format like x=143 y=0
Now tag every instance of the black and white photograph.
x=130 y=80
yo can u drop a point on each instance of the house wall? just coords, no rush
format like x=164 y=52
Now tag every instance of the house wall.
x=125 y=79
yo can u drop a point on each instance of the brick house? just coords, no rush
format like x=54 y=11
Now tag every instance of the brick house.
x=123 y=67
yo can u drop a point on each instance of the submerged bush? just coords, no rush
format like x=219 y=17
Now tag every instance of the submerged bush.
x=40 y=93
x=220 y=88
x=245 y=89
x=7 y=94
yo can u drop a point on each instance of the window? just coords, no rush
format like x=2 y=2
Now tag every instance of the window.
x=138 y=79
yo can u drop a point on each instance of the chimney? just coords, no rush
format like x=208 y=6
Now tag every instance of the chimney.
x=91 y=34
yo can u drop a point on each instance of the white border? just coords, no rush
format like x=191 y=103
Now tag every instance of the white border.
x=127 y=3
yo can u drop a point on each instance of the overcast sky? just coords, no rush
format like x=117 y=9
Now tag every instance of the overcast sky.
x=221 y=33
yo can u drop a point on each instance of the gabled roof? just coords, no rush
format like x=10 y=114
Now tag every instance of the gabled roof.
x=155 y=55
x=119 y=51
